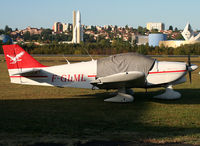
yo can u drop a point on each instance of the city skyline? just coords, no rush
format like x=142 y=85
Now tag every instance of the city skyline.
x=23 y=13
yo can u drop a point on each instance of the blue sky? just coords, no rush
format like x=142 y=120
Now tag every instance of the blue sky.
x=43 y=13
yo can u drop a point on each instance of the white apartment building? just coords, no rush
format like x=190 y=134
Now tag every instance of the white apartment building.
x=159 y=26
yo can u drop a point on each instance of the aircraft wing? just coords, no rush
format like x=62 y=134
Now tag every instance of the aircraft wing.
x=125 y=79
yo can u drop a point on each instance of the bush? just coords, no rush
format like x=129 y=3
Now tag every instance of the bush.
x=106 y=48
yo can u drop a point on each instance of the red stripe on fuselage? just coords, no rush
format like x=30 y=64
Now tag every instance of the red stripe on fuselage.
x=173 y=71
x=90 y=76
x=28 y=76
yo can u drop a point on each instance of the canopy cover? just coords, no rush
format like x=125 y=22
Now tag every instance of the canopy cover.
x=123 y=63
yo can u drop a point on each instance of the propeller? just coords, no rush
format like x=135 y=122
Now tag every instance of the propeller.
x=189 y=70
x=190 y=67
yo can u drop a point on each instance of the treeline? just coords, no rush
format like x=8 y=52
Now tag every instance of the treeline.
x=106 y=48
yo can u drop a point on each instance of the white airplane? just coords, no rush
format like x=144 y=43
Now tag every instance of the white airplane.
x=122 y=72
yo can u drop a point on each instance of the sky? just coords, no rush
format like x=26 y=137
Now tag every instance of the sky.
x=43 y=13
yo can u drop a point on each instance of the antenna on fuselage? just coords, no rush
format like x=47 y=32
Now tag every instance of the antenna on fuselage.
x=88 y=54
x=66 y=59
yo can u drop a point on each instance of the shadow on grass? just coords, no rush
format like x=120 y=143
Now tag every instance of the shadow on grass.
x=91 y=117
x=188 y=96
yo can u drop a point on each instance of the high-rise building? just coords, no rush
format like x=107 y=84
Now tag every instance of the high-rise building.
x=159 y=26
x=67 y=27
x=58 y=27
x=77 y=28
x=55 y=27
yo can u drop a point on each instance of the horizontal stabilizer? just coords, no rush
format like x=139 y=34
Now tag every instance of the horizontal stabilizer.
x=28 y=71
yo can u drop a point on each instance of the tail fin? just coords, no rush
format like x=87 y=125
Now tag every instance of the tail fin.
x=20 y=62
x=17 y=58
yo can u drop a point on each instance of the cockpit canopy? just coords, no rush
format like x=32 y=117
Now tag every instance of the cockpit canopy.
x=123 y=63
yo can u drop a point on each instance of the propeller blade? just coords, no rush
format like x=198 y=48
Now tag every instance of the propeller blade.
x=189 y=70
x=189 y=62
x=190 y=77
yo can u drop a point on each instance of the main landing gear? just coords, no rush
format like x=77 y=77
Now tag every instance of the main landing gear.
x=123 y=95
x=169 y=94
x=126 y=95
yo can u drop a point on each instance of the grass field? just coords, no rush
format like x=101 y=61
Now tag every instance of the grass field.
x=31 y=115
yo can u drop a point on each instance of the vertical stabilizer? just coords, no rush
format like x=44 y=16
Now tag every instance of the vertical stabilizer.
x=19 y=61
x=16 y=58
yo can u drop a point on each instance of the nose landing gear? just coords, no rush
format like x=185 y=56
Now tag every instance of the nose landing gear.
x=169 y=94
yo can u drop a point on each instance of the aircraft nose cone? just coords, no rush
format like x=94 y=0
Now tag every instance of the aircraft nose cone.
x=193 y=67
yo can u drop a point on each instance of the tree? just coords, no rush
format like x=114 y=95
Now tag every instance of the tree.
x=126 y=27
x=2 y=31
x=179 y=37
x=176 y=29
x=94 y=29
x=115 y=27
x=171 y=27
x=104 y=42
x=109 y=28
x=7 y=29
x=46 y=34
x=88 y=38
x=131 y=29
x=27 y=36
x=142 y=30
x=154 y=31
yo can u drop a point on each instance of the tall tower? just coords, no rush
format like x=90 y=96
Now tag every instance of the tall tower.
x=78 y=22
x=74 y=40
x=77 y=28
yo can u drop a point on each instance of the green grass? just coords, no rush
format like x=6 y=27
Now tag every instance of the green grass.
x=31 y=113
